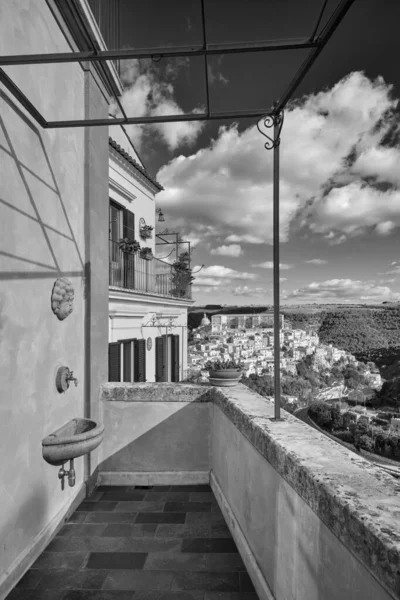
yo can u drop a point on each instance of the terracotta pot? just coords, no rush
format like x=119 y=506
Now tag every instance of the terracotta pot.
x=225 y=377
x=225 y=374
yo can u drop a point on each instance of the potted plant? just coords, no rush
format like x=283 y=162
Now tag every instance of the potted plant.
x=146 y=253
x=128 y=245
x=146 y=231
x=224 y=373
x=182 y=276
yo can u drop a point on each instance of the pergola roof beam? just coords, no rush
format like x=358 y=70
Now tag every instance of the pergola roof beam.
x=166 y=52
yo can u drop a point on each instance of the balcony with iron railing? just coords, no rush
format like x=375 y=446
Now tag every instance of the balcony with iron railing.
x=132 y=271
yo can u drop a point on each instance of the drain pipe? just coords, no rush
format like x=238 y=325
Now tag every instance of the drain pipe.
x=62 y=473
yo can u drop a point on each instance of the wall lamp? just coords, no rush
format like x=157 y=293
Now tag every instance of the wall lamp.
x=160 y=215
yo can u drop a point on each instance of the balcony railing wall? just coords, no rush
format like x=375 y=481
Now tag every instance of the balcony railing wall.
x=131 y=271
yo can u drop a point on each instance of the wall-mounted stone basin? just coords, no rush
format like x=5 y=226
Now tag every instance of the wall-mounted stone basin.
x=76 y=438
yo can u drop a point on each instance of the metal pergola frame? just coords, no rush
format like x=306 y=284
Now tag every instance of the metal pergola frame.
x=271 y=119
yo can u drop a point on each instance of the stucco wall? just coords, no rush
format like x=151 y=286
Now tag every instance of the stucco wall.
x=147 y=432
x=300 y=558
x=44 y=187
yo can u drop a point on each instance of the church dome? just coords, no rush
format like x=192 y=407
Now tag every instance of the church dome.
x=205 y=320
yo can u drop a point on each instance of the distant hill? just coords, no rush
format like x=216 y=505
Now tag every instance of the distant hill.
x=368 y=332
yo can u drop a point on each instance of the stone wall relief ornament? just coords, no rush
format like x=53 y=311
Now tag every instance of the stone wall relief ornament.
x=62 y=298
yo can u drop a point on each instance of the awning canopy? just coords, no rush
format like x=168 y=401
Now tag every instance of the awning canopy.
x=198 y=32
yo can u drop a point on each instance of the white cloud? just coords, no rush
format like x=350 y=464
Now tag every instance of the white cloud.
x=217 y=275
x=343 y=289
x=230 y=181
x=150 y=92
x=353 y=208
x=231 y=250
x=247 y=291
x=316 y=261
x=282 y=279
x=270 y=265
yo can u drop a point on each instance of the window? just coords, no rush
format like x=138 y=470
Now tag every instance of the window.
x=122 y=264
x=127 y=360
x=167 y=358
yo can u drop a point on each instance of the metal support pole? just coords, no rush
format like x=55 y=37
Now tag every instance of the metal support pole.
x=275 y=219
x=275 y=121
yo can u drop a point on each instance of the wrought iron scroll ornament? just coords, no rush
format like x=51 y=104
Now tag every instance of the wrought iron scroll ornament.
x=269 y=122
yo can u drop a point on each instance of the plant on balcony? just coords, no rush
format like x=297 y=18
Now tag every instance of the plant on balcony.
x=129 y=245
x=146 y=231
x=224 y=373
x=182 y=276
x=146 y=253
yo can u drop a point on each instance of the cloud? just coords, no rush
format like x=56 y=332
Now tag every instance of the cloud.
x=232 y=250
x=149 y=91
x=343 y=289
x=316 y=261
x=327 y=161
x=353 y=208
x=216 y=276
x=270 y=265
x=282 y=279
x=247 y=291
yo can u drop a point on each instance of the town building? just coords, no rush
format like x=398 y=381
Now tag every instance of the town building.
x=220 y=322
x=148 y=299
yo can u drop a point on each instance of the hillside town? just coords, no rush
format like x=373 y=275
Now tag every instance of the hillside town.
x=248 y=339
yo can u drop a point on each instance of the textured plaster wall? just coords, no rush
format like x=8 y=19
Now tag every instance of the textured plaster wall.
x=44 y=177
x=147 y=432
x=300 y=558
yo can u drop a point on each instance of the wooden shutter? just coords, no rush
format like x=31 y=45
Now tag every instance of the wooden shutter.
x=140 y=360
x=129 y=258
x=114 y=361
x=128 y=224
x=160 y=358
x=175 y=358
x=127 y=360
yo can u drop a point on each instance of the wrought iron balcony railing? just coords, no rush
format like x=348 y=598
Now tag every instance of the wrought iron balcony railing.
x=132 y=272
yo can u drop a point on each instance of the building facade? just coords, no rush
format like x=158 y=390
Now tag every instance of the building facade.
x=148 y=299
x=243 y=321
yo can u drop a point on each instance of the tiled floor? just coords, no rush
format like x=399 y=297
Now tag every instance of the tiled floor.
x=145 y=543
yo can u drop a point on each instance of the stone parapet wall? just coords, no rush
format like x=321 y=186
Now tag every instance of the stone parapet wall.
x=354 y=499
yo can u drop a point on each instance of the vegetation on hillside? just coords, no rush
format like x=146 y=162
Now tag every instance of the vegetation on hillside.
x=377 y=439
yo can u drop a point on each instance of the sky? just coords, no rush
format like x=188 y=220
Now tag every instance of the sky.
x=340 y=154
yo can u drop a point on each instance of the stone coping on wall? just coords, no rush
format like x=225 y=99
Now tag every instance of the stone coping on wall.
x=356 y=500
x=156 y=392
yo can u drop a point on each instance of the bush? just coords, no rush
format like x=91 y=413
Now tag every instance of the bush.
x=345 y=436
x=321 y=414
x=336 y=418
x=366 y=443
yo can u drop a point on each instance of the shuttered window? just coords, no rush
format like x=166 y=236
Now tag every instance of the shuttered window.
x=140 y=360
x=160 y=358
x=175 y=364
x=127 y=360
x=128 y=225
x=129 y=258
x=128 y=354
x=114 y=361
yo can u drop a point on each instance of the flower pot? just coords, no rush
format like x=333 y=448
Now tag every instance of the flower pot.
x=225 y=377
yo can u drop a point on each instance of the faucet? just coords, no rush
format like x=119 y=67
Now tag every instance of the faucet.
x=70 y=377
x=63 y=377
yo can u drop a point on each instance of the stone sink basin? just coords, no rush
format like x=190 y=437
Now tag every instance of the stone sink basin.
x=75 y=438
